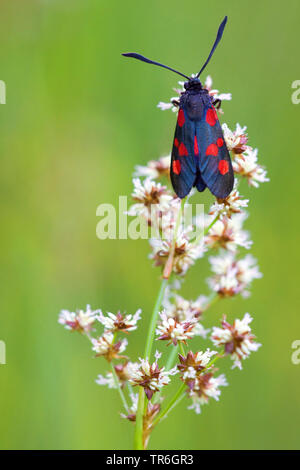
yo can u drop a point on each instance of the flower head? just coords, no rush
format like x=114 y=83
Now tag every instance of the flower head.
x=185 y=252
x=232 y=204
x=192 y=365
x=187 y=311
x=246 y=165
x=232 y=276
x=150 y=376
x=150 y=197
x=131 y=416
x=106 y=347
x=237 y=339
x=236 y=141
x=227 y=233
x=151 y=412
x=108 y=380
x=154 y=168
x=81 y=321
x=119 y=322
x=173 y=331
x=206 y=386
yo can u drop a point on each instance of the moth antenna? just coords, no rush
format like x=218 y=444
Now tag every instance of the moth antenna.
x=148 y=61
x=218 y=39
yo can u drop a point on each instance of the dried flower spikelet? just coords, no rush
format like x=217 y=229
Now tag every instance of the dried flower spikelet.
x=81 y=321
x=152 y=411
x=169 y=329
x=233 y=276
x=106 y=347
x=185 y=252
x=237 y=140
x=232 y=204
x=120 y=321
x=246 y=165
x=227 y=233
x=151 y=198
x=237 y=339
x=107 y=380
x=150 y=376
x=206 y=386
x=183 y=310
x=131 y=416
x=122 y=372
x=154 y=169
x=192 y=365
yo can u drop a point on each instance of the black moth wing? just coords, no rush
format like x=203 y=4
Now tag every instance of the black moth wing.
x=183 y=164
x=214 y=163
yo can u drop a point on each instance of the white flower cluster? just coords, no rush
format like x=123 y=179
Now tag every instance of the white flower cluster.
x=150 y=376
x=237 y=339
x=232 y=276
x=81 y=320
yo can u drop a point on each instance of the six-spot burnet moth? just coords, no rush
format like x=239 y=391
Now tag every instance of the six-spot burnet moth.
x=199 y=155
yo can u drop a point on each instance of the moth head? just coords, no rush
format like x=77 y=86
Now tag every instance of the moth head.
x=193 y=83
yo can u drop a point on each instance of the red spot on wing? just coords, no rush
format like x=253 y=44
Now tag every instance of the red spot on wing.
x=212 y=149
x=183 y=152
x=220 y=142
x=180 y=119
x=223 y=167
x=176 y=167
x=196 y=148
x=176 y=143
x=211 y=116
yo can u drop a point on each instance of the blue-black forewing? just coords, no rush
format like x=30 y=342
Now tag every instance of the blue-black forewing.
x=184 y=167
x=214 y=162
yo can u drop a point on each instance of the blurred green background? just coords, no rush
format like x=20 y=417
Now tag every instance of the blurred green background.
x=78 y=118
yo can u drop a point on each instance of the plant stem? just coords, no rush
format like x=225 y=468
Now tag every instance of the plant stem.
x=172 y=357
x=211 y=224
x=181 y=347
x=138 y=435
x=153 y=320
x=214 y=360
x=214 y=298
x=117 y=383
x=173 y=402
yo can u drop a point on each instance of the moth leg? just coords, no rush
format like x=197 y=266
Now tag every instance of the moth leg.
x=175 y=103
x=217 y=103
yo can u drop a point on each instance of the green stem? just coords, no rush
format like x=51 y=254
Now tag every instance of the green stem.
x=214 y=298
x=214 y=360
x=169 y=365
x=172 y=357
x=153 y=320
x=138 y=435
x=211 y=224
x=117 y=383
x=181 y=347
x=173 y=402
